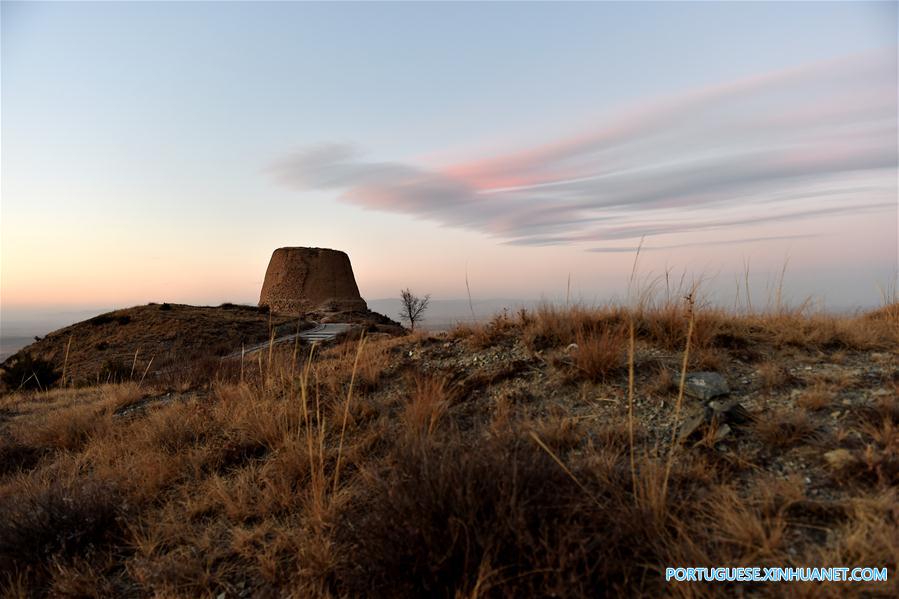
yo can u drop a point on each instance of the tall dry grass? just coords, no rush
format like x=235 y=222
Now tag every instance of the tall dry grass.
x=357 y=469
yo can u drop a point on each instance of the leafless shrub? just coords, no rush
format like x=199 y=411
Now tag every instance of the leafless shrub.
x=413 y=307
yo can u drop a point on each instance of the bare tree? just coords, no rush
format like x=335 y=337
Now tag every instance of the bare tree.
x=413 y=307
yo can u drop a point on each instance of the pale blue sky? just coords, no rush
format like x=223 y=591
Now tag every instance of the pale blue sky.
x=160 y=151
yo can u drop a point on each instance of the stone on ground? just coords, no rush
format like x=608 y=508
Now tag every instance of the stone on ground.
x=705 y=385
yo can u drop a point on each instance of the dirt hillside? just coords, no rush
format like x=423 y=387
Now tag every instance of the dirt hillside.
x=549 y=453
x=171 y=335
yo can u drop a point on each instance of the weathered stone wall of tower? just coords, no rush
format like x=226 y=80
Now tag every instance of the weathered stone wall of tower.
x=300 y=279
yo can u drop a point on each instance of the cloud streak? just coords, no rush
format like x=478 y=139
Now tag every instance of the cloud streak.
x=646 y=248
x=774 y=148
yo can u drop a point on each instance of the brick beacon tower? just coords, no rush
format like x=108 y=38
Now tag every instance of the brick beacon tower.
x=300 y=280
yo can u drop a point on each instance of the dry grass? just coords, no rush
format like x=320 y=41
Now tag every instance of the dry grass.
x=784 y=428
x=56 y=519
x=664 y=383
x=773 y=375
x=469 y=526
x=428 y=402
x=599 y=352
x=819 y=396
x=471 y=465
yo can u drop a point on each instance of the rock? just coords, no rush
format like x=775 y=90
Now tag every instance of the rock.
x=721 y=432
x=731 y=412
x=724 y=415
x=705 y=385
x=300 y=280
x=838 y=459
x=692 y=426
x=696 y=426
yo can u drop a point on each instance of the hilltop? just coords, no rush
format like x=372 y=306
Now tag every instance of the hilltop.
x=171 y=343
x=550 y=452
x=106 y=346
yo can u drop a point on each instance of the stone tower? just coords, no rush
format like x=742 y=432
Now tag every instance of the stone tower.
x=300 y=280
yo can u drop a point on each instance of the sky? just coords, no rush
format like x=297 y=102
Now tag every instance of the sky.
x=161 y=151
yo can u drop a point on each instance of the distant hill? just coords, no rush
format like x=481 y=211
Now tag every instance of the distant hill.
x=11 y=344
x=445 y=313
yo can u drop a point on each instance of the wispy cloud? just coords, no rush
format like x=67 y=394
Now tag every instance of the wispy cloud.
x=782 y=146
x=653 y=248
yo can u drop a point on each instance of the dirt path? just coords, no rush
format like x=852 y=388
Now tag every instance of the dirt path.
x=317 y=334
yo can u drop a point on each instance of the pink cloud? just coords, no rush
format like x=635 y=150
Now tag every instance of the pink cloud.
x=711 y=154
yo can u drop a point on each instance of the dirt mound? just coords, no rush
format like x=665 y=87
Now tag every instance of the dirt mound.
x=162 y=340
x=112 y=345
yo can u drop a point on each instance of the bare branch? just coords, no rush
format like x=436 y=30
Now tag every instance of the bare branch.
x=413 y=307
